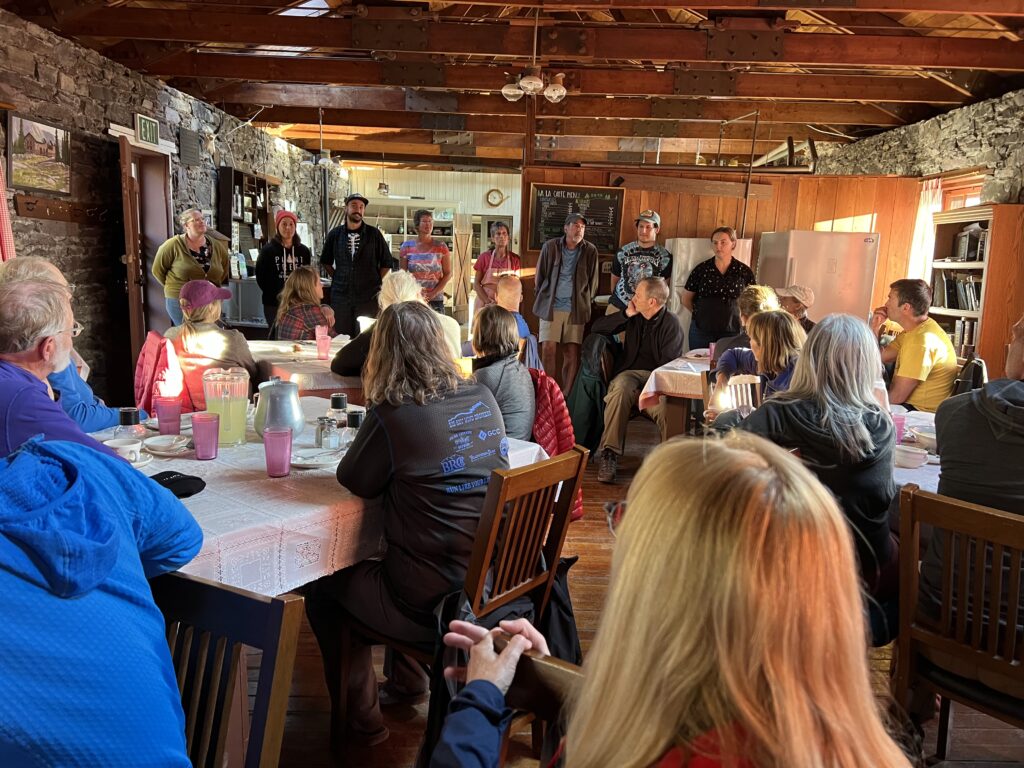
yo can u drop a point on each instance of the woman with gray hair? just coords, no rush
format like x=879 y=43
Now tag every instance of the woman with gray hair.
x=192 y=255
x=395 y=288
x=830 y=414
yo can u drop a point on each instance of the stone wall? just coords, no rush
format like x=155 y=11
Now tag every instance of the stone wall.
x=989 y=134
x=54 y=80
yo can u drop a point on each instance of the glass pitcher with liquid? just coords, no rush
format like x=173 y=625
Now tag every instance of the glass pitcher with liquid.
x=227 y=394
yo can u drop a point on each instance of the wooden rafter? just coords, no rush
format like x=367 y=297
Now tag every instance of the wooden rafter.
x=581 y=43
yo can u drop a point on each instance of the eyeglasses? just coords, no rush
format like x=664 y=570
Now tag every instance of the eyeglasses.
x=75 y=330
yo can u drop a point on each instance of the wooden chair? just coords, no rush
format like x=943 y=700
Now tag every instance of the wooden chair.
x=523 y=524
x=974 y=652
x=207 y=625
x=743 y=389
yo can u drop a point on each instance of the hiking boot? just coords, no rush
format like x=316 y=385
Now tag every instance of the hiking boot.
x=607 y=466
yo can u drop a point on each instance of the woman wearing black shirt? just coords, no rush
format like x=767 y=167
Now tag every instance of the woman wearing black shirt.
x=427 y=447
x=711 y=290
x=277 y=260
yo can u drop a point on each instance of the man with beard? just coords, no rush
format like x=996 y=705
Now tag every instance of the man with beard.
x=36 y=328
x=357 y=257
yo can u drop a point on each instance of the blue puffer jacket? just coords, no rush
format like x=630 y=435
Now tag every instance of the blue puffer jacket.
x=87 y=677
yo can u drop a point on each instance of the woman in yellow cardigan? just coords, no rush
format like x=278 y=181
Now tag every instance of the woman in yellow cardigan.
x=192 y=255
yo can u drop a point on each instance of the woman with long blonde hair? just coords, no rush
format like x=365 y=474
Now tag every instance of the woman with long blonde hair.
x=299 y=309
x=733 y=633
x=775 y=342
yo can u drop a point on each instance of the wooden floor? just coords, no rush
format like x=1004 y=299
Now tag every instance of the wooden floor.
x=978 y=741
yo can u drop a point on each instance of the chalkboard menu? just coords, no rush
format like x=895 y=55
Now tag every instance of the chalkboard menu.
x=601 y=206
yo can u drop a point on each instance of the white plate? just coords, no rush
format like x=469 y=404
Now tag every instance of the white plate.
x=166 y=445
x=186 y=423
x=316 y=458
x=698 y=354
x=144 y=459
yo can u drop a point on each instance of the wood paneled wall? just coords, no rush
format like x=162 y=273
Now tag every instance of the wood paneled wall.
x=886 y=205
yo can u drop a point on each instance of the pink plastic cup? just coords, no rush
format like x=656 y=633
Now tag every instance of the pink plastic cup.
x=205 y=434
x=277 y=442
x=899 y=421
x=321 y=330
x=168 y=414
x=323 y=347
x=711 y=351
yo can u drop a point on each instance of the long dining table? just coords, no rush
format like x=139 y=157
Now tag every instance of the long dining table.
x=679 y=383
x=272 y=535
x=296 y=361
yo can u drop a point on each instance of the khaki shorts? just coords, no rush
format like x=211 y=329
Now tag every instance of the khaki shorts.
x=560 y=329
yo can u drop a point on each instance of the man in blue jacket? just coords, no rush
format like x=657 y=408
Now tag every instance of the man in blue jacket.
x=87 y=674
x=76 y=397
x=36 y=328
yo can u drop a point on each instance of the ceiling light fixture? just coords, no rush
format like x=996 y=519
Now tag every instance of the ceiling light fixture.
x=382 y=189
x=555 y=91
x=533 y=81
x=324 y=157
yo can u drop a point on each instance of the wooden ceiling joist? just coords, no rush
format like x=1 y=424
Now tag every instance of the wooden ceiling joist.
x=500 y=39
x=991 y=7
x=394 y=99
x=623 y=82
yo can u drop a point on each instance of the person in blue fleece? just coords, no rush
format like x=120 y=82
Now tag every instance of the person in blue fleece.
x=87 y=675
x=36 y=328
x=76 y=397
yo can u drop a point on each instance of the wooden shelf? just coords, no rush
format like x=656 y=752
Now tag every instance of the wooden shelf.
x=947 y=264
x=970 y=314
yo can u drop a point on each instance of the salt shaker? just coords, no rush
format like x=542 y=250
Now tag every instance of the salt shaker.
x=338 y=409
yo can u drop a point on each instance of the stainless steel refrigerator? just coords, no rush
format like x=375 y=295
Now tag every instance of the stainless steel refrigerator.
x=838 y=266
x=688 y=252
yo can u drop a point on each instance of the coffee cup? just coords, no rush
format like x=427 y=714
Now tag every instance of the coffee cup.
x=126 y=448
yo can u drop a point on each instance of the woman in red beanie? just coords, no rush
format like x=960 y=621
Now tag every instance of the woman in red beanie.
x=278 y=259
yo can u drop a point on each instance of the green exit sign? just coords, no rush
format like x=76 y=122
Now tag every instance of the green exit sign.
x=147 y=130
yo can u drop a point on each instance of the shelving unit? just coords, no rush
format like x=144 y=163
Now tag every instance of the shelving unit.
x=390 y=214
x=245 y=204
x=977 y=278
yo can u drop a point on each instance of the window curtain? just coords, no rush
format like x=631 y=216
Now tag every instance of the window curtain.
x=924 y=230
x=6 y=235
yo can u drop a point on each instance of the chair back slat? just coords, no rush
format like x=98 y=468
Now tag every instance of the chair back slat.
x=742 y=389
x=207 y=625
x=525 y=512
x=978 y=637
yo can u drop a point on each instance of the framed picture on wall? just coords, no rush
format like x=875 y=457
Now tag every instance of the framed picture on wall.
x=38 y=156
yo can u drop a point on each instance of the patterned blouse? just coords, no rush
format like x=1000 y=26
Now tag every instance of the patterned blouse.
x=714 y=306
x=300 y=322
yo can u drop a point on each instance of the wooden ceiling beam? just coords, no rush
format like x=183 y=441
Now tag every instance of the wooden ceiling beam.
x=394 y=99
x=342 y=97
x=620 y=82
x=682 y=129
x=570 y=43
x=992 y=7
x=368 y=118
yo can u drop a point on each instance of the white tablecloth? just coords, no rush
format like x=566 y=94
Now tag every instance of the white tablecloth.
x=680 y=378
x=272 y=535
x=927 y=477
x=279 y=358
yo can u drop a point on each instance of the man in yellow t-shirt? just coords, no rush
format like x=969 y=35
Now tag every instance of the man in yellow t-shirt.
x=926 y=364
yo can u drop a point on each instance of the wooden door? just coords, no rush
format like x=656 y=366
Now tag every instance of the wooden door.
x=132 y=257
x=146 y=202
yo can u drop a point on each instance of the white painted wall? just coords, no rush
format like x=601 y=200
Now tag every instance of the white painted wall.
x=469 y=189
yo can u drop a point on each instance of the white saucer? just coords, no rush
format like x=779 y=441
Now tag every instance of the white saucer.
x=316 y=458
x=186 y=423
x=144 y=459
x=167 y=445
x=698 y=354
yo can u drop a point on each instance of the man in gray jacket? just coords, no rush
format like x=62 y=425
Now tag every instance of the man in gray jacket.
x=566 y=283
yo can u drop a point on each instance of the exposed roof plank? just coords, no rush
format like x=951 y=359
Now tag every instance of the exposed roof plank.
x=456 y=38
x=623 y=82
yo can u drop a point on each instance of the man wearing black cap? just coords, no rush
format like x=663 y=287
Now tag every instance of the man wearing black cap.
x=357 y=257
x=566 y=282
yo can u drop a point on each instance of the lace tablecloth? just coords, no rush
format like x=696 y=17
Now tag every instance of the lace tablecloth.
x=272 y=535
x=680 y=378
x=279 y=358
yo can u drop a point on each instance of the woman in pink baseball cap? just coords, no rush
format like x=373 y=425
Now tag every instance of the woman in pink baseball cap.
x=278 y=259
x=201 y=343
